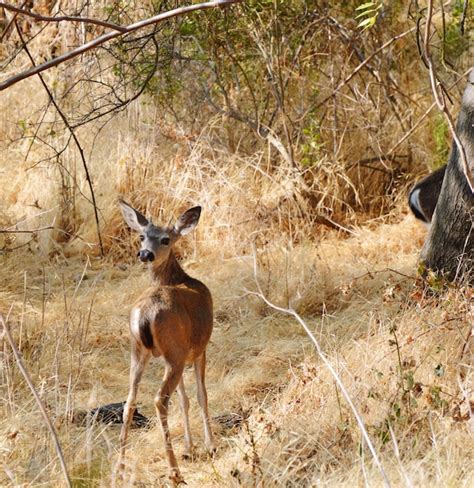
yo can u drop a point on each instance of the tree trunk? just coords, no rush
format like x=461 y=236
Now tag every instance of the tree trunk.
x=449 y=248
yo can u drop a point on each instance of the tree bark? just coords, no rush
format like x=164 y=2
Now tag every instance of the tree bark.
x=449 y=248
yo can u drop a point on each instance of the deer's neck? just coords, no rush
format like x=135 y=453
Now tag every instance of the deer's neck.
x=169 y=272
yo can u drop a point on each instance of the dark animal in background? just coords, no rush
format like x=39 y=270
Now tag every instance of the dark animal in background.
x=424 y=195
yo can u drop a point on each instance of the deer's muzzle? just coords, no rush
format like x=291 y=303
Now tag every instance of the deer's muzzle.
x=145 y=255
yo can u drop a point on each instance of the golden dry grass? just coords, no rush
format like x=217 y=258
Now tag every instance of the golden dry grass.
x=299 y=432
x=403 y=354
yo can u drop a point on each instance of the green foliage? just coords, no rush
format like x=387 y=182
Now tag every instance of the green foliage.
x=436 y=400
x=312 y=143
x=435 y=281
x=455 y=43
x=441 y=139
x=242 y=61
x=269 y=67
x=368 y=13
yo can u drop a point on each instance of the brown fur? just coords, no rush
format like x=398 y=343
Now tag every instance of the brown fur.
x=179 y=315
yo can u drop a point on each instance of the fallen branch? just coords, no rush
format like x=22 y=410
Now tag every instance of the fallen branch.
x=324 y=359
x=24 y=372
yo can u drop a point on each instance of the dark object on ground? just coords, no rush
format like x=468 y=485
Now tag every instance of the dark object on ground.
x=110 y=414
x=424 y=195
x=232 y=420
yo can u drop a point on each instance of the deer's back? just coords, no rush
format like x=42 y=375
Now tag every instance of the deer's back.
x=174 y=320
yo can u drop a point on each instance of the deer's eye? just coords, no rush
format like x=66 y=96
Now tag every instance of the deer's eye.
x=142 y=238
x=165 y=241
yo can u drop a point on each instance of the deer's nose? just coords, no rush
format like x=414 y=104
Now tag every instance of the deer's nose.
x=145 y=255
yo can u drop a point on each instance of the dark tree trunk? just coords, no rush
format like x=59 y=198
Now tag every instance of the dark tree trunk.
x=449 y=248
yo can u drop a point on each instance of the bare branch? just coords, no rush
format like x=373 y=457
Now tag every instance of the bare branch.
x=62 y=18
x=463 y=17
x=423 y=117
x=111 y=35
x=361 y=65
x=44 y=413
x=74 y=137
x=32 y=231
x=6 y=30
x=324 y=359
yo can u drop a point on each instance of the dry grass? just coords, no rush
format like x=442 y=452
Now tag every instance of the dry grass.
x=403 y=353
x=73 y=336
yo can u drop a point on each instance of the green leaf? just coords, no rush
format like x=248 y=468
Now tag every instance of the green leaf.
x=367 y=23
x=365 y=14
x=365 y=5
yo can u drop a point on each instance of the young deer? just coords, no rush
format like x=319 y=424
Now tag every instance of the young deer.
x=172 y=319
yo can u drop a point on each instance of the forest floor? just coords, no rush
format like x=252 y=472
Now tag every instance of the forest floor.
x=402 y=352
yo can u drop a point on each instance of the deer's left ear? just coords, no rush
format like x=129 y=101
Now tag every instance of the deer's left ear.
x=188 y=221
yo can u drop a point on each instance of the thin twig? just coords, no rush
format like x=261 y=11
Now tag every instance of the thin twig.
x=111 y=35
x=345 y=393
x=463 y=16
x=24 y=372
x=359 y=67
x=10 y=22
x=62 y=18
x=412 y=130
x=76 y=140
x=32 y=231
x=423 y=117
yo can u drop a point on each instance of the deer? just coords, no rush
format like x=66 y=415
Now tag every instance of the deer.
x=172 y=319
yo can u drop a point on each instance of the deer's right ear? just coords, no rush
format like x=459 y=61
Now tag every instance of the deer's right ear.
x=134 y=218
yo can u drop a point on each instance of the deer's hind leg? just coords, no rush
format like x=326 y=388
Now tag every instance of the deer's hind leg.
x=200 y=371
x=184 y=403
x=173 y=374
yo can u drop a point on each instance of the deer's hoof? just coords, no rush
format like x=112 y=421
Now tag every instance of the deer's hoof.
x=176 y=478
x=188 y=454
x=212 y=451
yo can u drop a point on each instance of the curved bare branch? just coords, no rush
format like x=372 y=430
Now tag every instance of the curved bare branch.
x=111 y=35
x=62 y=18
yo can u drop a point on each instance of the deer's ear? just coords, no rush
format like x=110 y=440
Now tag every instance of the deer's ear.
x=188 y=221
x=134 y=218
